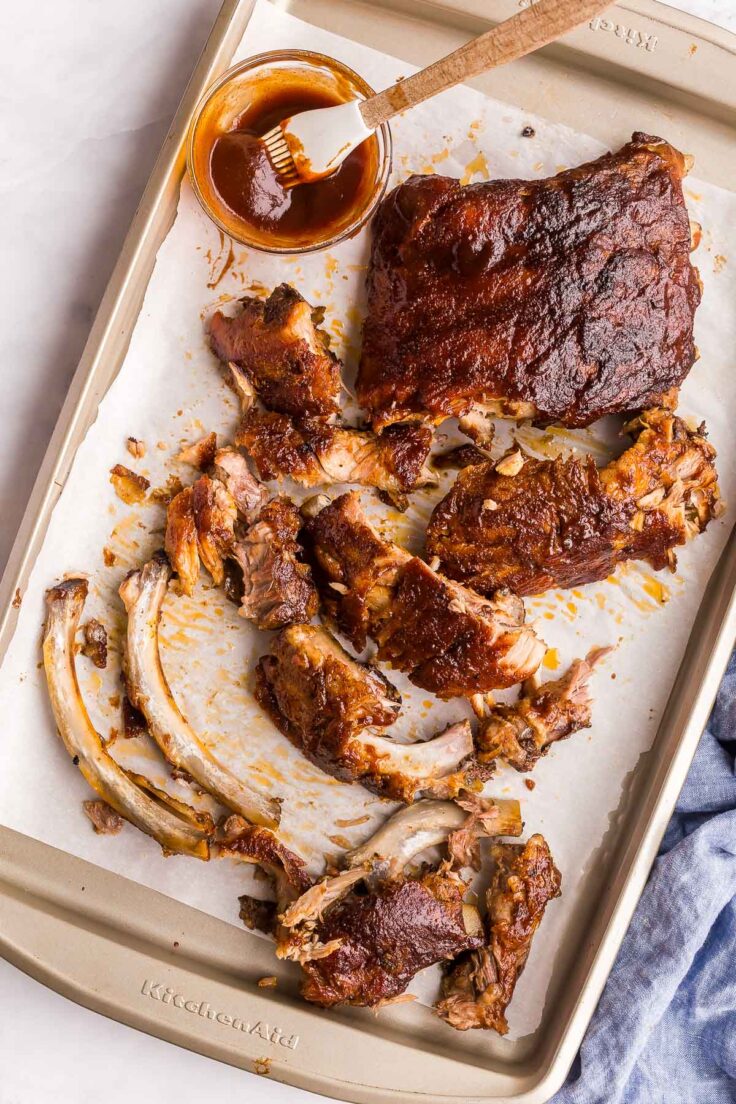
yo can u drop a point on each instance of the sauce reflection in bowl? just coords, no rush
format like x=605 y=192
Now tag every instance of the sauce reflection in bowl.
x=233 y=178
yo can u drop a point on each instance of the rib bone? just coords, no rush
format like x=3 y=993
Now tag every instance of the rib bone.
x=143 y=593
x=176 y=826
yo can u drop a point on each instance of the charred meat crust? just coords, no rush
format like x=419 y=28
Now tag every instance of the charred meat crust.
x=320 y=698
x=254 y=844
x=478 y=987
x=313 y=452
x=574 y=295
x=278 y=345
x=448 y=640
x=330 y=706
x=387 y=937
x=95 y=643
x=563 y=523
x=450 y=651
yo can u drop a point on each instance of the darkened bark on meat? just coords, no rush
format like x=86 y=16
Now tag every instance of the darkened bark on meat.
x=315 y=453
x=388 y=936
x=282 y=351
x=335 y=709
x=442 y=635
x=563 y=522
x=321 y=698
x=95 y=643
x=561 y=299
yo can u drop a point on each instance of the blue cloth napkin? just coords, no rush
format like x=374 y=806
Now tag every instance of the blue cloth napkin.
x=664 y=1031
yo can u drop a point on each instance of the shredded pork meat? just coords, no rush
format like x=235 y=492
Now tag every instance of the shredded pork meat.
x=478 y=986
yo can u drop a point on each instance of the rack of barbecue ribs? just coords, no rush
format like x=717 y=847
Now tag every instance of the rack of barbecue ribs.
x=478 y=987
x=559 y=300
x=564 y=522
x=335 y=710
x=448 y=640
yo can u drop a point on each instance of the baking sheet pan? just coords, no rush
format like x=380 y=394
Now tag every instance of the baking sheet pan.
x=501 y=1070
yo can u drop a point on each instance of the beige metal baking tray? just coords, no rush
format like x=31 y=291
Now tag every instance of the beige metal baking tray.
x=158 y=965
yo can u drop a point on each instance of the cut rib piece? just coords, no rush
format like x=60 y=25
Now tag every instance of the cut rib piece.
x=428 y=823
x=286 y=870
x=562 y=299
x=280 y=348
x=522 y=733
x=314 y=453
x=277 y=587
x=562 y=522
x=174 y=824
x=478 y=987
x=363 y=947
x=330 y=706
x=448 y=640
x=200 y=524
x=143 y=593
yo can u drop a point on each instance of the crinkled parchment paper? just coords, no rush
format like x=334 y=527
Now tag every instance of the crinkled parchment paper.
x=170 y=391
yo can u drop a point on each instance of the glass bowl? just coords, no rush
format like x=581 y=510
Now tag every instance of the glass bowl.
x=245 y=88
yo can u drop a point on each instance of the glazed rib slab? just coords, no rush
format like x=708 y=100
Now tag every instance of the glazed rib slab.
x=563 y=299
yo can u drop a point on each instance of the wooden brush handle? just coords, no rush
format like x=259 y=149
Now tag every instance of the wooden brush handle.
x=530 y=28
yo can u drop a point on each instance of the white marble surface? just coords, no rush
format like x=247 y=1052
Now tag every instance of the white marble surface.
x=88 y=90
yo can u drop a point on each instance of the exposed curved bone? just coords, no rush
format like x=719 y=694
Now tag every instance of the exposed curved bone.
x=143 y=593
x=429 y=823
x=430 y=767
x=407 y=832
x=176 y=826
x=332 y=707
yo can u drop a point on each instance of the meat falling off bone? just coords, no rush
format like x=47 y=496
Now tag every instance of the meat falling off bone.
x=143 y=594
x=561 y=300
x=564 y=522
x=448 y=640
x=277 y=586
x=334 y=709
x=280 y=349
x=522 y=733
x=362 y=935
x=317 y=453
x=478 y=986
x=174 y=824
x=226 y=517
x=275 y=352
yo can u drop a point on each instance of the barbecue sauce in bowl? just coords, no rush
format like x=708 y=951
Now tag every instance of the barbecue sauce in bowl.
x=234 y=179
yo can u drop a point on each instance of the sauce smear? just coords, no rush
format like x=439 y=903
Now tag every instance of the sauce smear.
x=246 y=183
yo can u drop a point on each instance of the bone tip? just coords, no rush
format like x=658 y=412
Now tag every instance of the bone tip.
x=67 y=589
